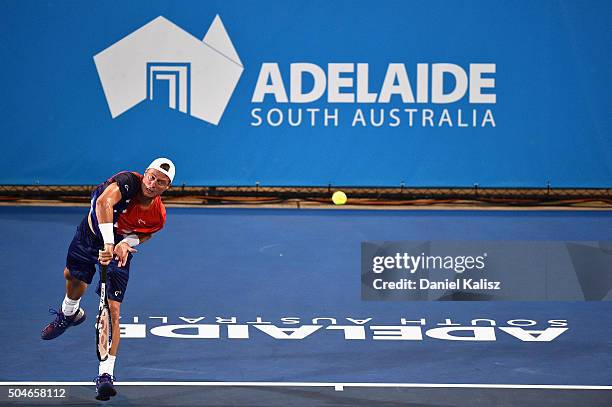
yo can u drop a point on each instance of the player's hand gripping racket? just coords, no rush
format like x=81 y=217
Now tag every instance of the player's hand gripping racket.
x=103 y=321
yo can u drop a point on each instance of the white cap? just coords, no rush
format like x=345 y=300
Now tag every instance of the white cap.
x=157 y=164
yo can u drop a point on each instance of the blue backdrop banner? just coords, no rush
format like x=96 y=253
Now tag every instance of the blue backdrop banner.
x=350 y=93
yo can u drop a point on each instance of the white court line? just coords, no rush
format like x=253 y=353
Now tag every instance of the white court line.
x=337 y=386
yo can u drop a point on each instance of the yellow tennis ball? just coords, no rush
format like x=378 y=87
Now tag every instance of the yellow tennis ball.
x=339 y=198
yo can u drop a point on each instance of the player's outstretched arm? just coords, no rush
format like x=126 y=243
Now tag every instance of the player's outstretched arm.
x=104 y=212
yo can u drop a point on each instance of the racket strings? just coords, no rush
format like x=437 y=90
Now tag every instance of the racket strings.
x=104 y=329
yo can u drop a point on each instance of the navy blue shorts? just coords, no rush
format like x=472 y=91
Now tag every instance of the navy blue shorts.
x=82 y=259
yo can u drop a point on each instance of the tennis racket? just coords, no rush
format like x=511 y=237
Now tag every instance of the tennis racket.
x=103 y=321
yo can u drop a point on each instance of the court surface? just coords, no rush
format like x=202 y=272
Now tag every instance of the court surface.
x=282 y=268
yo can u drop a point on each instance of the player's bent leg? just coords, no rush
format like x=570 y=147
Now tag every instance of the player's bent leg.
x=70 y=313
x=75 y=288
x=81 y=261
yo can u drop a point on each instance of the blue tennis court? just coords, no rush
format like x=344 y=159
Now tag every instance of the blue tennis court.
x=251 y=297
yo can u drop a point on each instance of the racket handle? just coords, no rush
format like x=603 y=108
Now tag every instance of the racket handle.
x=101 y=251
x=103 y=273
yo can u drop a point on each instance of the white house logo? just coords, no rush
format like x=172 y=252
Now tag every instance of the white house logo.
x=161 y=59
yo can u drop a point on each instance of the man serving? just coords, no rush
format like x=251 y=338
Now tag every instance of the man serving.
x=125 y=211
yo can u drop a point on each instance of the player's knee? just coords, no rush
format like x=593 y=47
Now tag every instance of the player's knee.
x=70 y=277
x=115 y=310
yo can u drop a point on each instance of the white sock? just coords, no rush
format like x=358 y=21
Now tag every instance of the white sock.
x=69 y=307
x=108 y=366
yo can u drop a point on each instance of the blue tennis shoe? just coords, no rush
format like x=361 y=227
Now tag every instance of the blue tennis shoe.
x=104 y=387
x=61 y=323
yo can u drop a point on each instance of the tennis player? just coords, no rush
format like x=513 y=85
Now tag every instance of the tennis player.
x=125 y=211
